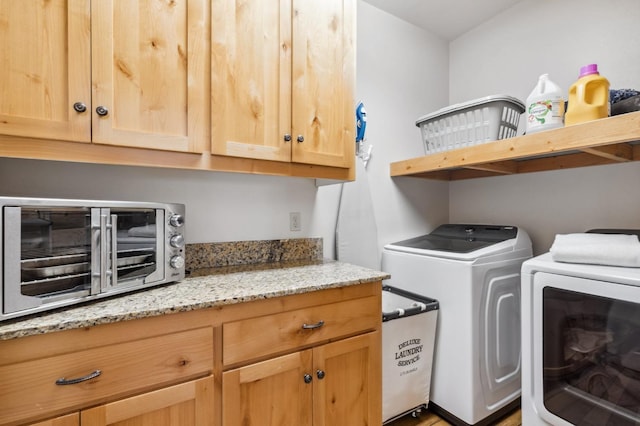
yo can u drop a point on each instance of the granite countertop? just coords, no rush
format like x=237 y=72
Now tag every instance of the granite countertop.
x=203 y=288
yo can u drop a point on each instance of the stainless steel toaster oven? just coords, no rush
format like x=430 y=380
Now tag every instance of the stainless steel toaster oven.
x=58 y=252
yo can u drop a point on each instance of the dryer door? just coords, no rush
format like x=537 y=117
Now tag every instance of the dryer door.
x=586 y=363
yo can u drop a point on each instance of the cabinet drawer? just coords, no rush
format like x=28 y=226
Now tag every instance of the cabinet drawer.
x=257 y=337
x=29 y=389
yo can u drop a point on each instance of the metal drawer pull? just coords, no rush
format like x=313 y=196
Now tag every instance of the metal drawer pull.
x=313 y=326
x=90 y=376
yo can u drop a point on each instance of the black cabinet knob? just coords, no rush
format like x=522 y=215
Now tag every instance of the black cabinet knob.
x=102 y=111
x=79 y=107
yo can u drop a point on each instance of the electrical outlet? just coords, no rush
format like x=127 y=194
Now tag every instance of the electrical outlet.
x=294 y=221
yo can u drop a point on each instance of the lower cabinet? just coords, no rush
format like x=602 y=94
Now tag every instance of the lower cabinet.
x=349 y=392
x=161 y=366
x=68 y=420
x=271 y=392
x=297 y=360
x=186 y=404
x=331 y=384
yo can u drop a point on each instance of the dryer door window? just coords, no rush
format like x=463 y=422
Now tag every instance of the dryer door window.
x=591 y=358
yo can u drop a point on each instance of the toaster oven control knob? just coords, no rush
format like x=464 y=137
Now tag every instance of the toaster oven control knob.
x=176 y=220
x=176 y=241
x=176 y=262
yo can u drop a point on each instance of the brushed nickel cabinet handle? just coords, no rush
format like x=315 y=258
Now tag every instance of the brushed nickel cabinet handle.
x=62 y=381
x=313 y=326
x=300 y=138
x=287 y=138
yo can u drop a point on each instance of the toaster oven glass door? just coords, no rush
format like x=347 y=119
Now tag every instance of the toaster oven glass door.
x=56 y=254
x=589 y=368
x=134 y=247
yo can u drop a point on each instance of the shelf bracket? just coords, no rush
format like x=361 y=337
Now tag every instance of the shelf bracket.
x=621 y=152
x=501 y=167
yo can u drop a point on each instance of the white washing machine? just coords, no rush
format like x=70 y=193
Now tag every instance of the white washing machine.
x=473 y=271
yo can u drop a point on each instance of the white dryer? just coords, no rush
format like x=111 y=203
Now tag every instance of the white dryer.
x=580 y=343
x=473 y=271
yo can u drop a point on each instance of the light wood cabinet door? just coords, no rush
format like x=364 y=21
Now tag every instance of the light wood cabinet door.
x=271 y=392
x=283 y=80
x=349 y=392
x=324 y=82
x=251 y=78
x=150 y=73
x=68 y=420
x=342 y=387
x=120 y=72
x=45 y=68
x=186 y=404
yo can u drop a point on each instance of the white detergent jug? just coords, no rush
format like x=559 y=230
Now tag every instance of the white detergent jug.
x=545 y=106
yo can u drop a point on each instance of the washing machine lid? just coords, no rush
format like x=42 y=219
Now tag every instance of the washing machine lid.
x=467 y=242
x=460 y=238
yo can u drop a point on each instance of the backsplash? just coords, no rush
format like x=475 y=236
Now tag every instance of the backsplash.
x=213 y=255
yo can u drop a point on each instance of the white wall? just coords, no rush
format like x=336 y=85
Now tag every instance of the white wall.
x=402 y=74
x=505 y=56
x=220 y=206
x=507 y=53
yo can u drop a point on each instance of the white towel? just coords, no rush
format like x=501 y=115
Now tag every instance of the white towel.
x=597 y=249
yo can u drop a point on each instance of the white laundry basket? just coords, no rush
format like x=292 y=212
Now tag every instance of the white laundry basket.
x=471 y=123
x=408 y=338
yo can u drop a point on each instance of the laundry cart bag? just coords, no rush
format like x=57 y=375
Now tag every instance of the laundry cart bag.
x=408 y=338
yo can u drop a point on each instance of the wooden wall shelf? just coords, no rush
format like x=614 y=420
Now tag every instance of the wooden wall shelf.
x=606 y=141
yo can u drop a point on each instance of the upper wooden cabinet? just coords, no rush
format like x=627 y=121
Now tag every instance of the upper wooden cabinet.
x=111 y=72
x=132 y=81
x=283 y=80
x=45 y=65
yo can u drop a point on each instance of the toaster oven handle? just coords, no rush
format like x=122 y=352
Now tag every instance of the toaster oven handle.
x=114 y=251
x=97 y=228
x=104 y=248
